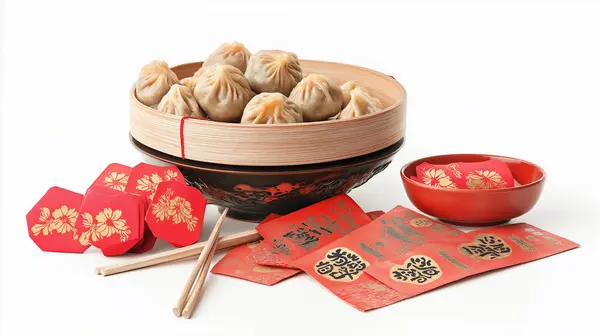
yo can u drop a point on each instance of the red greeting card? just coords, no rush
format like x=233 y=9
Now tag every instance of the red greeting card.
x=240 y=263
x=115 y=176
x=491 y=174
x=51 y=222
x=297 y=234
x=110 y=220
x=176 y=213
x=144 y=179
x=434 y=265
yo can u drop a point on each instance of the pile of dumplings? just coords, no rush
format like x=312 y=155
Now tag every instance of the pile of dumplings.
x=234 y=85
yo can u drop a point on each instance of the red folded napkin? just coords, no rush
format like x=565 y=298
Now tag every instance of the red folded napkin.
x=491 y=174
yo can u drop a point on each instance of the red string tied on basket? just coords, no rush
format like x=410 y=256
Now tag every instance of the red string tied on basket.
x=181 y=140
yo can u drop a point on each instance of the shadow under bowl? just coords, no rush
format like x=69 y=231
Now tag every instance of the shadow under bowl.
x=476 y=207
x=252 y=193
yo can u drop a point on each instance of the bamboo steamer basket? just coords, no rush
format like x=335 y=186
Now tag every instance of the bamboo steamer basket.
x=278 y=144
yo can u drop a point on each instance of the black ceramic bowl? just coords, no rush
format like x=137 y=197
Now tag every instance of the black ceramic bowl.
x=252 y=193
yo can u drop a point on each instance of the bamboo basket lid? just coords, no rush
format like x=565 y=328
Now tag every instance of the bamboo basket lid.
x=278 y=144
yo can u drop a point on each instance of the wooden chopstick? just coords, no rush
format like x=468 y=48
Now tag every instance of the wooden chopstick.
x=179 y=254
x=198 y=287
x=205 y=257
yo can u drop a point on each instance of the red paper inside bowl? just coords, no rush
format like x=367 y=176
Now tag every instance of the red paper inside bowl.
x=491 y=174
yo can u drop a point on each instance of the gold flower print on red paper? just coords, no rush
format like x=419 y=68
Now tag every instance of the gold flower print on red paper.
x=416 y=270
x=161 y=208
x=170 y=174
x=150 y=183
x=61 y=221
x=341 y=264
x=177 y=209
x=64 y=220
x=453 y=167
x=117 y=181
x=485 y=179
x=437 y=178
x=107 y=223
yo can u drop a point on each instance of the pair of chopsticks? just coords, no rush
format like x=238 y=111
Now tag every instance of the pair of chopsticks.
x=223 y=243
x=194 y=285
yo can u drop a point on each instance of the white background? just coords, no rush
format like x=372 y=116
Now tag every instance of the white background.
x=521 y=79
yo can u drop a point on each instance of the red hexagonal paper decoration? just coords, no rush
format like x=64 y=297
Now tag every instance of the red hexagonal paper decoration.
x=149 y=239
x=114 y=176
x=110 y=220
x=146 y=244
x=177 y=213
x=145 y=178
x=51 y=222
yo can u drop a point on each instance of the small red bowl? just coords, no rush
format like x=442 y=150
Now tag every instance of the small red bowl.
x=476 y=207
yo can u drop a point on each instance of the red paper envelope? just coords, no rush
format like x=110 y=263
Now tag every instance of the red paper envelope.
x=240 y=263
x=340 y=266
x=110 y=220
x=297 y=234
x=491 y=174
x=176 y=213
x=342 y=271
x=144 y=179
x=264 y=254
x=434 y=265
x=396 y=232
x=51 y=222
x=373 y=215
x=115 y=176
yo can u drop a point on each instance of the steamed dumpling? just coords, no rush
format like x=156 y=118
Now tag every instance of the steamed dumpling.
x=351 y=85
x=190 y=82
x=181 y=102
x=154 y=80
x=318 y=97
x=271 y=108
x=234 y=54
x=200 y=71
x=273 y=71
x=222 y=92
x=360 y=103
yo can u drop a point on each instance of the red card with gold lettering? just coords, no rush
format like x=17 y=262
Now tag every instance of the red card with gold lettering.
x=434 y=265
x=397 y=231
x=51 y=222
x=491 y=174
x=144 y=179
x=110 y=220
x=176 y=213
x=264 y=254
x=114 y=176
x=394 y=233
x=294 y=235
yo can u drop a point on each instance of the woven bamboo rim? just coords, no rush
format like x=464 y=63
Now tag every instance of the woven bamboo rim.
x=278 y=145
